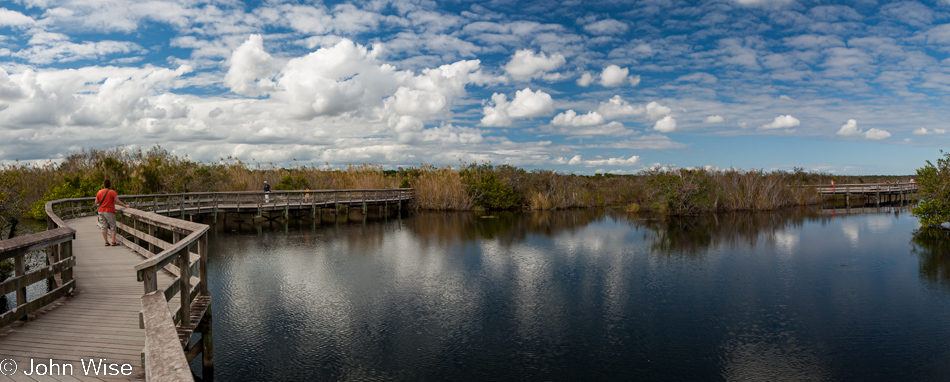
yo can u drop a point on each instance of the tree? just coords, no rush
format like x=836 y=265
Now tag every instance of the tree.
x=933 y=187
x=13 y=203
x=487 y=190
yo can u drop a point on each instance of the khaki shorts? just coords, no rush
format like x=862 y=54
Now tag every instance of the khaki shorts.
x=107 y=221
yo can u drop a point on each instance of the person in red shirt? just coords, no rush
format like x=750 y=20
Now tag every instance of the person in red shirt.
x=107 y=200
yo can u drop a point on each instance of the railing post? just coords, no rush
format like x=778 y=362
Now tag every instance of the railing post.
x=203 y=264
x=20 y=270
x=135 y=226
x=152 y=230
x=67 y=252
x=184 y=278
x=149 y=279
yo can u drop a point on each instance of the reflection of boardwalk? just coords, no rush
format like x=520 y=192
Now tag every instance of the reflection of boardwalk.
x=863 y=210
x=101 y=320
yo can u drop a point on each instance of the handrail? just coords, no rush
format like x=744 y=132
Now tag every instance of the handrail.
x=57 y=241
x=190 y=284
x=866 y=187
x=58 y=244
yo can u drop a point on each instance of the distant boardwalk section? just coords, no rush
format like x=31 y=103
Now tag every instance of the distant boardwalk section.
x=882 y=192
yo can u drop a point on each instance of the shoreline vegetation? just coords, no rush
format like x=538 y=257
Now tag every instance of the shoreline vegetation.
x=25 y=188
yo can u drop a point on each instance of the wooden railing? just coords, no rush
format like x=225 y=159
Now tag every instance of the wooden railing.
x=212 y=202
x=167 y=332
x=57 y=241
x=868 y=188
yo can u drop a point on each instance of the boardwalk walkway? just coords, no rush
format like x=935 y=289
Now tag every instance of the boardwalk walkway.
x=100 y=320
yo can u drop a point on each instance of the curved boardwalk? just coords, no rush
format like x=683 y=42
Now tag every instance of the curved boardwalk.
x=100 y=320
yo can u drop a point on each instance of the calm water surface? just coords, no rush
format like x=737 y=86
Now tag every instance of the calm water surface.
x=584 y=295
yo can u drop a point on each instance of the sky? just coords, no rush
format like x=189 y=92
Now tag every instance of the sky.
x=845 y=87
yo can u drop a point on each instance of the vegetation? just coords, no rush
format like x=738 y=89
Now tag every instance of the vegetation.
x=933 y=189
x=24 y=189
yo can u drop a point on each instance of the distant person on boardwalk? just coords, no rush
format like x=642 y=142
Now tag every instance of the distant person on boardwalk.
x=107 y=198
x=832 y=185
x=912 y=180
x=266 y=191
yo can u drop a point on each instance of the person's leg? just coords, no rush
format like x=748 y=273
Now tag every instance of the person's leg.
x=103 y=226
x=113 y=227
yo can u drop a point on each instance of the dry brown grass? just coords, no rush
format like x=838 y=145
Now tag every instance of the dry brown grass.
x=436 y=188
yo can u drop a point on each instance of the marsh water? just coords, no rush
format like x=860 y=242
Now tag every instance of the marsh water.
x=857 y=294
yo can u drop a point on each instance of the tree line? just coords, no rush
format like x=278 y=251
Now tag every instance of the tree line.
x=25 y=188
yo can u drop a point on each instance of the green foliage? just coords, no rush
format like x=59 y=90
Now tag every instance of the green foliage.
x=72 y=187
x=12 y=198
x=933 y=184
x=682 y=192
x=486 y=190
x=291 y=182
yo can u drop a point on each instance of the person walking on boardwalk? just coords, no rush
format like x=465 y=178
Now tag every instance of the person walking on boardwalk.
x=107 y=199
x=266 y=192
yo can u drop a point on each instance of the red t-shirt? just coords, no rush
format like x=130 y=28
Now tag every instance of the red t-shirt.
x=106 y=200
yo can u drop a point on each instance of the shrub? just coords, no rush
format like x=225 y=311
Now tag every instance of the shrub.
x=933 y=183
x=486 y=190
x=682 y=192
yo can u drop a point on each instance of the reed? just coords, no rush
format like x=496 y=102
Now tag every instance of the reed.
x=440 y=189
x=24 y=188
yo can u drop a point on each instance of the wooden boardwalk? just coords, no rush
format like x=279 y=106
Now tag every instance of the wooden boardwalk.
x=100 y=320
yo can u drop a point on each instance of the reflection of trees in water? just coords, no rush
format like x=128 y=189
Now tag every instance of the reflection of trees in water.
x=932 y=246
x=693 y=236
x=507 y=227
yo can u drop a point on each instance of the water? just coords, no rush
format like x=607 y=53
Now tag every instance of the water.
x=585 y=295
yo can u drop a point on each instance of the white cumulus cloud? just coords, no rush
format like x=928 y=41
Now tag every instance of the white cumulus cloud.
x=665 y=125
x=850 y=128
x=526 y=104
x=10 y=18
x=252 y=69
x=585 y=80
x=614 y=75
x=714 y=119
x=782 y=122
x=656 y=111
x=578 y=161
x=876 y=134
x=571 y=118
x=526 y=65
x=617 y=107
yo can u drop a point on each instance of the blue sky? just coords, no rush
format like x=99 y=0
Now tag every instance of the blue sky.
x=857 y=87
